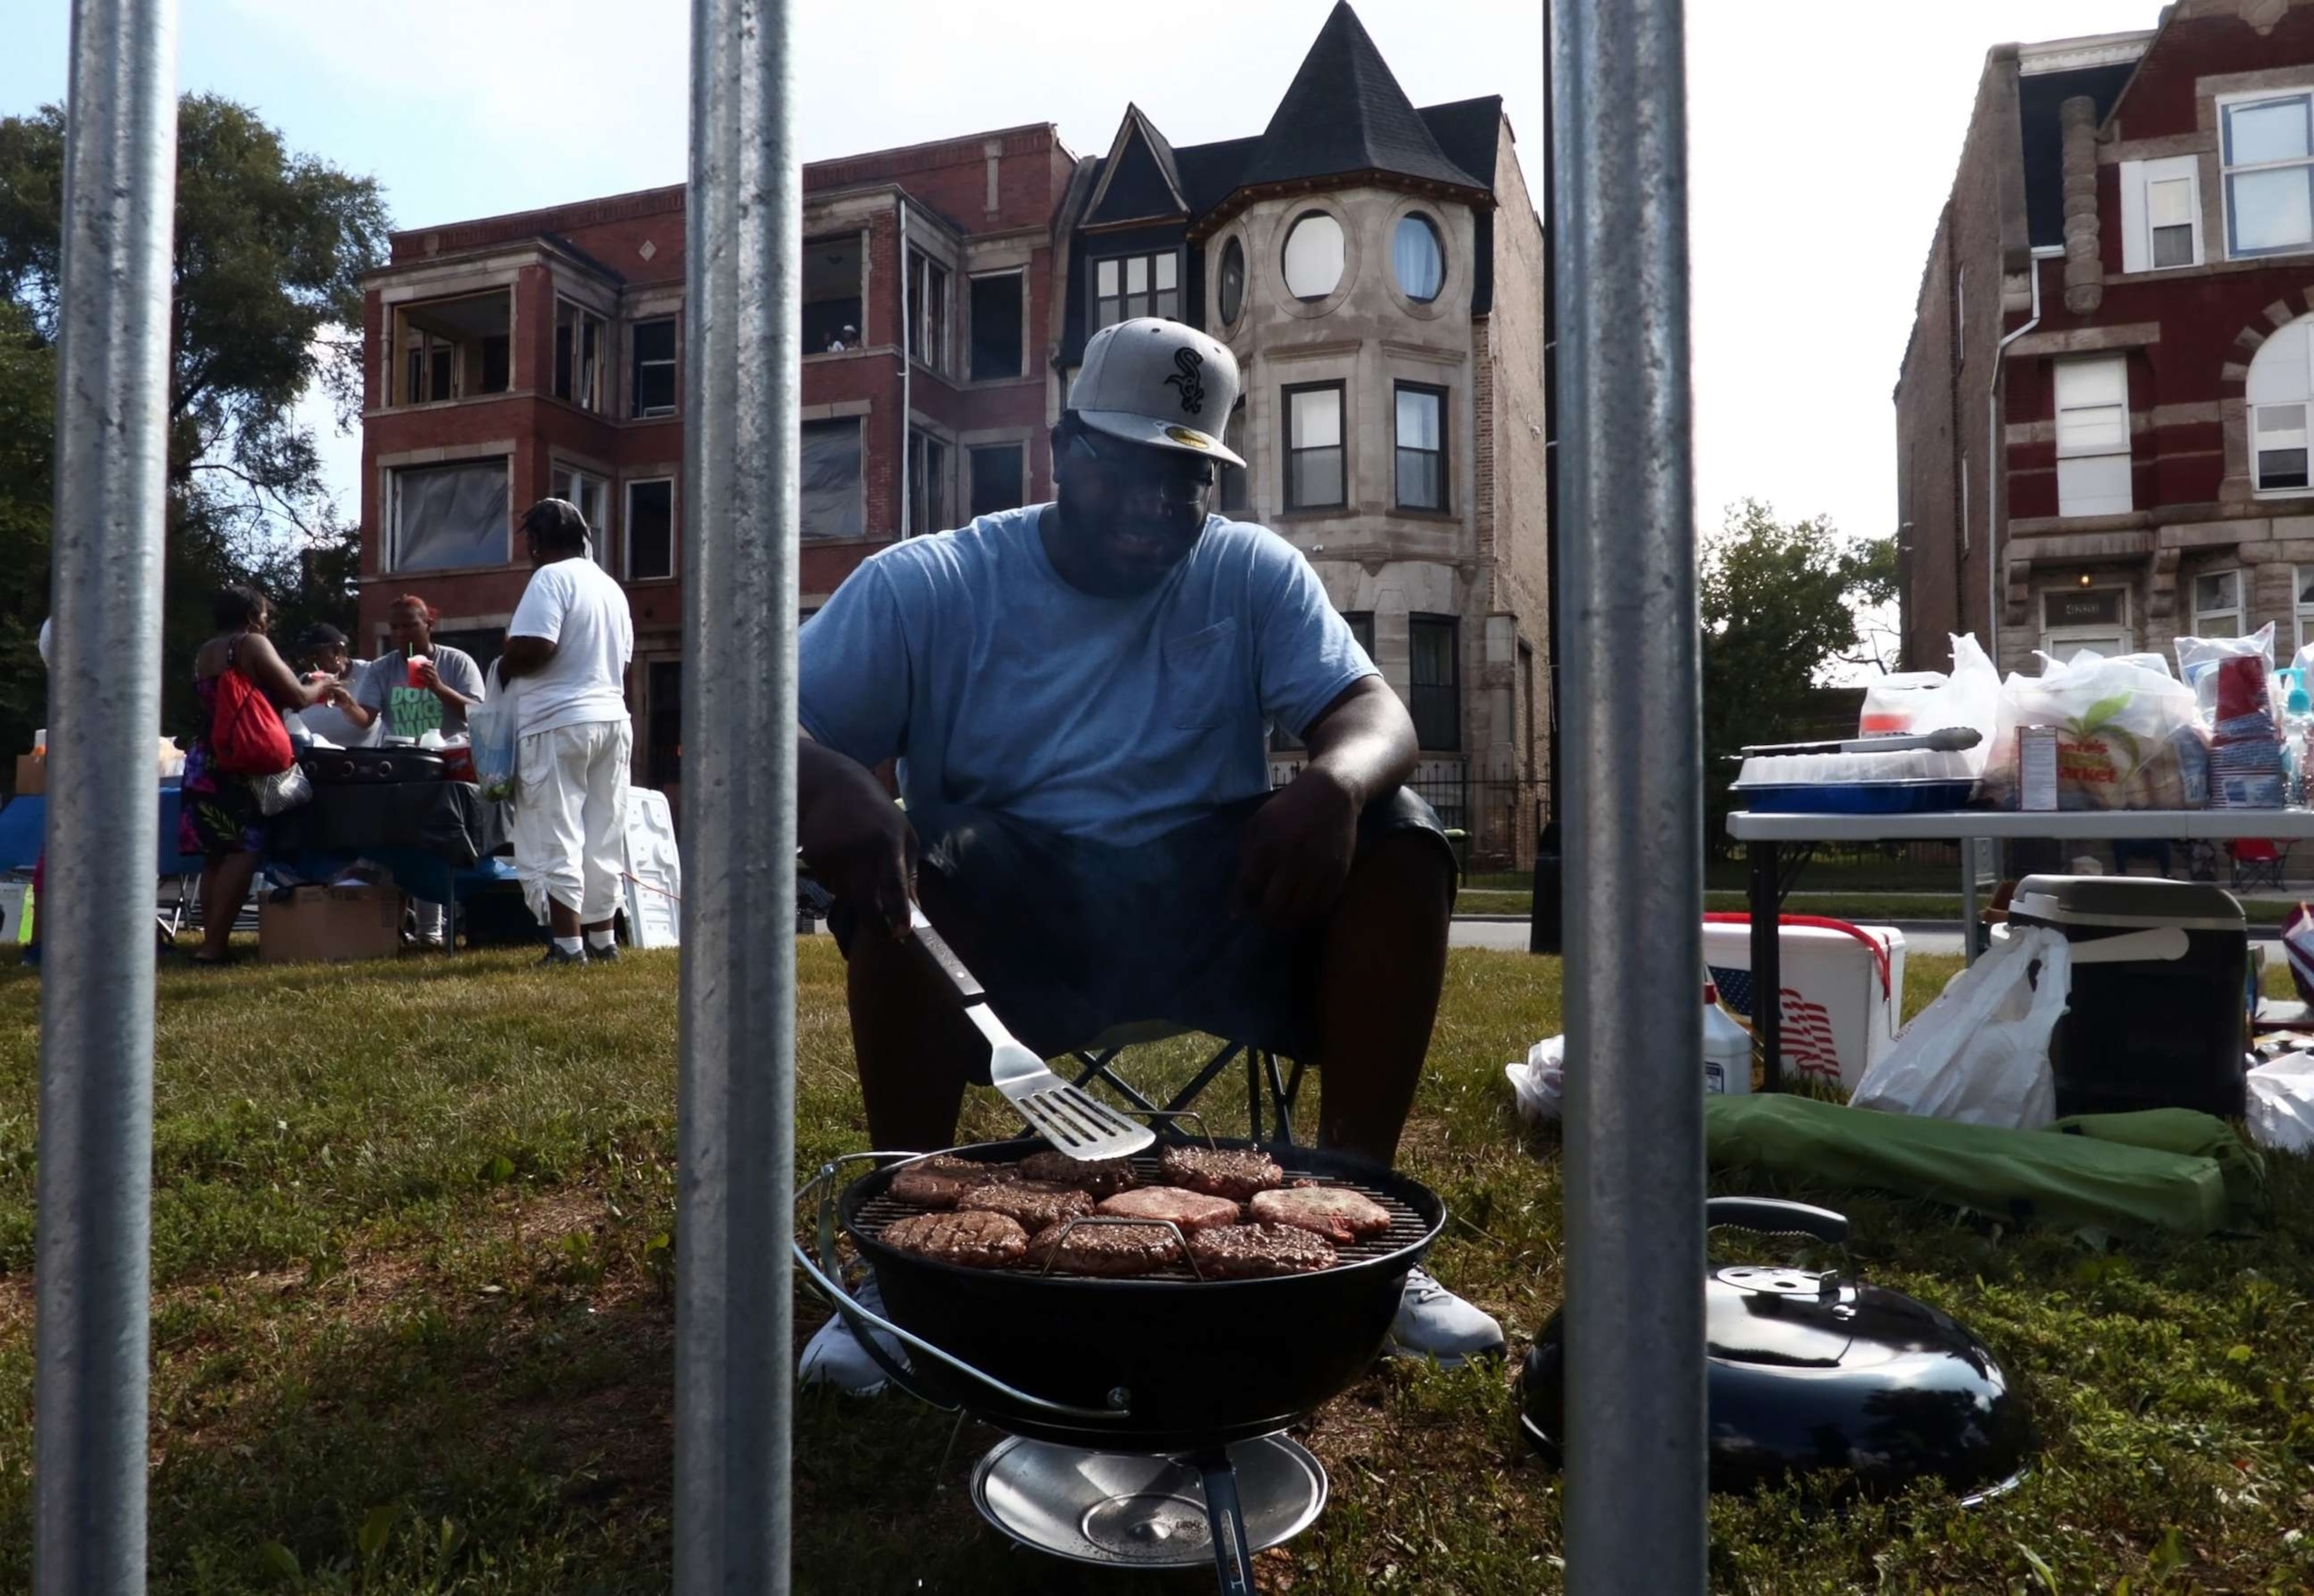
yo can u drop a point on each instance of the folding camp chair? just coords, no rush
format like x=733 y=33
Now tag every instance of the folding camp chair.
x=2257 y=861
x=1267 y=1077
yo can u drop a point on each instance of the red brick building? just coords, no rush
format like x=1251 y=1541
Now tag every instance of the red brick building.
x=1376 y=267
x=537 y=354
x=2103 y=411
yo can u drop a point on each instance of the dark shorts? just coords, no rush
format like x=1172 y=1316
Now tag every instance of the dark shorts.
x=1072 y=937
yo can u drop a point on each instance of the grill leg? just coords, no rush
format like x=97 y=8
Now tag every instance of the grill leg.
x=1282 y=1093
x=1097 y=1068
x=1233 y=1558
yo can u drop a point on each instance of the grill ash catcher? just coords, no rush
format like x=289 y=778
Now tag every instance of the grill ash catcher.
x=1145 y=1415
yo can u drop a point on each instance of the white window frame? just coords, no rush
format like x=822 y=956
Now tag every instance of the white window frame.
x=2302 y=607
x=2137 y=180
x=674 y=525
x=2227 y=173
x=2270 y=370
x=637 y=409
x=932 y=305
x=589 y=485
x=2062 y=642
x=586 y=384
x=2101 y=444
x=2239 y=614
x=1150 y=293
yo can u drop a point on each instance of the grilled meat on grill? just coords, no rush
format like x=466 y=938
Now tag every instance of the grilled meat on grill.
x=1246 y=1252
x=1096 y=1178
x=939 y=1180
x=1192 y=1210
x=978 y=1241
x=1034 y=1203
x=1232 y=1172
x=1339 y=1214
x=1105 y=1249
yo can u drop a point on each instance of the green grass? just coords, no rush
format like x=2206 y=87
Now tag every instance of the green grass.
x=412 y=1244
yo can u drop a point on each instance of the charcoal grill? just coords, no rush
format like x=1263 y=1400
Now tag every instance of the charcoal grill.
x=1177 y=1386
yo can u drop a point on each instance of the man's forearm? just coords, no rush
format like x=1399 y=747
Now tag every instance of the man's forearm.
x=1365 y=742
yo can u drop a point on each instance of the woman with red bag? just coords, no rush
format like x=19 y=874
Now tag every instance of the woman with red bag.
x=244 y=684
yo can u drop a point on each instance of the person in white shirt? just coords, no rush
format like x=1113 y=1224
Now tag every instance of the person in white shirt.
x=567 y=652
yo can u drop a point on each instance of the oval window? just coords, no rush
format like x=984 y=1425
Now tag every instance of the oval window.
x=1416 y=255
x=1233 y=292
x=1313 y=256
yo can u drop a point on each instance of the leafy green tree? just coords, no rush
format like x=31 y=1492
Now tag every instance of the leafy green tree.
x=270 y=246
x=28 y=389
x=1781 y=602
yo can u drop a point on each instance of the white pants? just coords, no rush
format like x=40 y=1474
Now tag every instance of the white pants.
x=571 y=818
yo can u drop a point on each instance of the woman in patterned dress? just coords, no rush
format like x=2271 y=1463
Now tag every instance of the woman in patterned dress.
x=217 y=814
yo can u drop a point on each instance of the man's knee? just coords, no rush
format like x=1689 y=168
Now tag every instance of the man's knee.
x=1410 y=872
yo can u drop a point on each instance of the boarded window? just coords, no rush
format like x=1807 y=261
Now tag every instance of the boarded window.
x=830 y=496
x=448 y=516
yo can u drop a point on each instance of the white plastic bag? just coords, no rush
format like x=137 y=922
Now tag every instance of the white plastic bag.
x=1980 y=1054
x=2281 y=1104
x=283 y=791
x=1541 y=1082
x=2122 y=732
x=493 y=726
x=1927 y=701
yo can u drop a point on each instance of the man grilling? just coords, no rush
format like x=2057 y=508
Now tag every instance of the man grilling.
x=1080 y=696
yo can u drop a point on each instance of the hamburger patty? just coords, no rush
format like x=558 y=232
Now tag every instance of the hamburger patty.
x=1097 y=1177
x=1034 y=1203
x=1192 y=1210
x=977 y=1240
x=1232 y=1172
x=1333 y=1212
x=1105 y=1249
x=939 y=1180
x=1247 y=1252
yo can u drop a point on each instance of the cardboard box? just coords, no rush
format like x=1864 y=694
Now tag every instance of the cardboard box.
x=32 y=775
x=329 y=924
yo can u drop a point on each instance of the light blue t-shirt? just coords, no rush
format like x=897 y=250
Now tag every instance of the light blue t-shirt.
x=999 y=686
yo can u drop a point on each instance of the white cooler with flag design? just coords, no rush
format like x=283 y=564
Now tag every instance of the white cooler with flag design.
x=1843 y=993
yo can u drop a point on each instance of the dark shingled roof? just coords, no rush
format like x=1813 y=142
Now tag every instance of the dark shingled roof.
x=1144 y=180
x=1465 y=131
x=1344 y=112
x=1209 y=171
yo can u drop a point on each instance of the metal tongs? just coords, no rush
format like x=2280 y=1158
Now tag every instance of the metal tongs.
x=1077 y=1124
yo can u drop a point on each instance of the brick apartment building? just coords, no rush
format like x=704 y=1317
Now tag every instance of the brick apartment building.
x=1378 y=270
x=2103 y=414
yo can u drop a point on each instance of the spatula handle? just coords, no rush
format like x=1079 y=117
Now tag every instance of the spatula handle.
x=969 y=990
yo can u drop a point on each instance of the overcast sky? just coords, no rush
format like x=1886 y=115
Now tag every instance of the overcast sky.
x=1823 y=134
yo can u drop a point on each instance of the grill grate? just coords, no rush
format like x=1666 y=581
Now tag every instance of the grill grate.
x=1406 y=1226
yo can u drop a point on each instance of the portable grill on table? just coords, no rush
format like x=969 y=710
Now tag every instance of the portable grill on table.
x=1147 y=1414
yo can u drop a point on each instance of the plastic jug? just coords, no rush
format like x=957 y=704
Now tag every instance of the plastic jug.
x=1727 y=1049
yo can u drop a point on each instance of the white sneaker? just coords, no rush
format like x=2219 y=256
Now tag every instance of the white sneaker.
x=835 y=1356
x=1435 y=1323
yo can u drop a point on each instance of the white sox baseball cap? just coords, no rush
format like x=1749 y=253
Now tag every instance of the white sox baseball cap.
x=1154 y=382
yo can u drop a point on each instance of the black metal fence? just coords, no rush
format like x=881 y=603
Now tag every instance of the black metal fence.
x=1499 y=821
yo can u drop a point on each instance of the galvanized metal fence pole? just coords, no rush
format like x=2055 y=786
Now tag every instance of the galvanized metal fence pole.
x=739 y=806
x=735 y=1142
x=1635 y=1467
x=92 y=1263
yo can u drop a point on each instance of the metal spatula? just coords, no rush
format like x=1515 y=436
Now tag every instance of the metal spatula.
x=1077 y=1124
